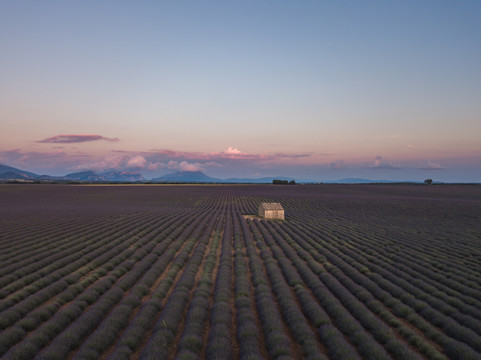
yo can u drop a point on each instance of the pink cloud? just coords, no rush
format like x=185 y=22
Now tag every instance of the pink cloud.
x=232 y=151
x=184 y=166
x=38 y=160
x=231 y=158
x=120 y=160
x=137 y=162
x=381 y=163
x=108 y=162
x=69 y=139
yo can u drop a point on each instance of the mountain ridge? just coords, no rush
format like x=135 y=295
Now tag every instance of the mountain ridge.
x=185 y=176
x=9 y=173
x=9 y=170
x=200 y=177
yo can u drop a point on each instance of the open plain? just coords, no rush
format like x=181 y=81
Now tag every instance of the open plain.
x=151 y=272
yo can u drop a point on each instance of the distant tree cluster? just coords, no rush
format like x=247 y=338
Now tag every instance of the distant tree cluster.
x=283 y=182
x=428 y=181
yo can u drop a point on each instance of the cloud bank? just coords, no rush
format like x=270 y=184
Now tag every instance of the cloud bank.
x=184 y=166
x=233 y=162
x=65 y=159
x=231 y=153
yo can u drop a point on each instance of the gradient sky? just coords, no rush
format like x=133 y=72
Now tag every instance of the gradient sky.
x=306 y=89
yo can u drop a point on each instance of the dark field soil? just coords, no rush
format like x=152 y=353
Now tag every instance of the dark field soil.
x=154 y=272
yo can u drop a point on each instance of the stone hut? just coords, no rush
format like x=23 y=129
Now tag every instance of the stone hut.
x=271 y=211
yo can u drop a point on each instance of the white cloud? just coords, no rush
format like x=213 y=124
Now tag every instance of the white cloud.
x=232 y=151
x=108 y=162
x=184 y=166
x=138 y=162
x=381 y=163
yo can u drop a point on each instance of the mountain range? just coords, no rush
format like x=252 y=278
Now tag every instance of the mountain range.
x=8 y=173
x=200 y=177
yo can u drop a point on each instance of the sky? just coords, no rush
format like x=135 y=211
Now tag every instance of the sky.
x=318 y=90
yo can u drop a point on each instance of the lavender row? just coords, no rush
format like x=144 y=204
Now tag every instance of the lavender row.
x=296 y=271
x=151 y=266
x=248 y=333
x=435 y=284
x=88 y=322
x=192 y=340
x=40 y=233
x=414 y=254
x=451 y=347
x=219 y=345
x=277 y=341
x=313 y=259
x=365 y=343
x=295 y=319
x=59 y=279
x=466 y=314
x=26 y=275
x=34 y=247
x=165 y=330
x=90 y=296
x=131 y=338
x=429 y=306
x=413 y=246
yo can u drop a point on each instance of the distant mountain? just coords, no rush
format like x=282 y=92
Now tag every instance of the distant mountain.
x=13 y=175
x=187 y=176
x=110 y=175
x=8 y=172
x=50 y=178
x=123 y=176
x=85 y=176
x=200 y=177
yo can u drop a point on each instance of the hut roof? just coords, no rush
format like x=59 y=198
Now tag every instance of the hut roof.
x=272 y=206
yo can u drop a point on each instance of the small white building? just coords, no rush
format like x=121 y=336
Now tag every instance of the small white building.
x=271 y=211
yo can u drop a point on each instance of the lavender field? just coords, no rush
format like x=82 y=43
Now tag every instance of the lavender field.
x=176 y=272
